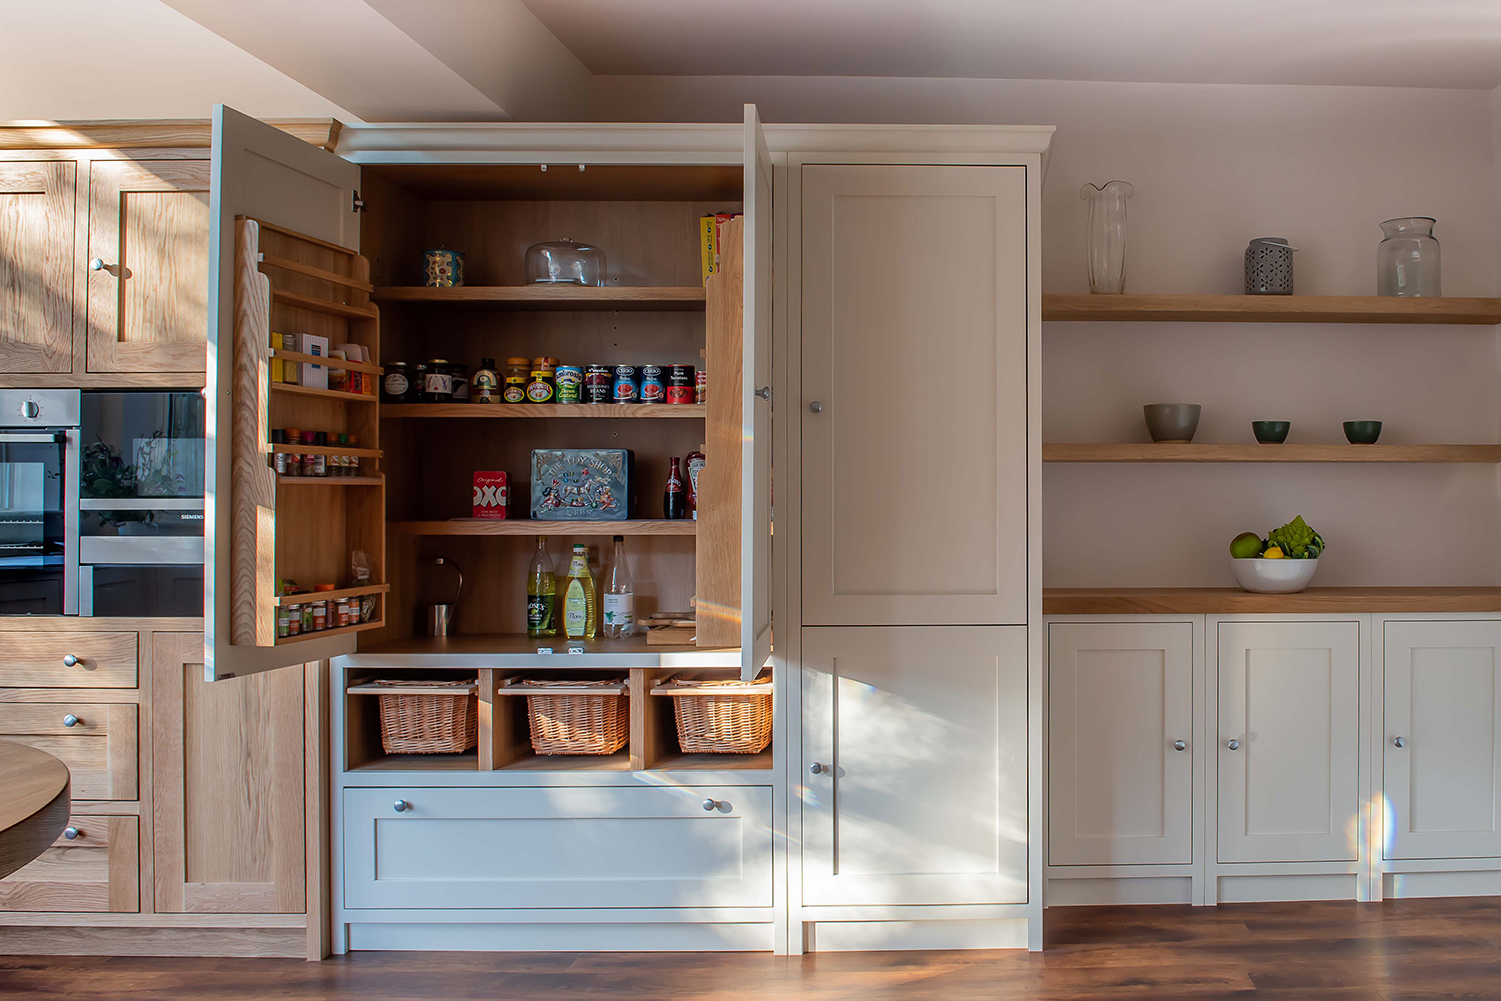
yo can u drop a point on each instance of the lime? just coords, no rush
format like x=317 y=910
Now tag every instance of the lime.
x=1245 y=546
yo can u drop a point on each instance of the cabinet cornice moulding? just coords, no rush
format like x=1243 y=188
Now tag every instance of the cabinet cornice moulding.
x=165 y=133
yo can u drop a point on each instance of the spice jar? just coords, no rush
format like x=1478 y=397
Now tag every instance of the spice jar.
x=570 y=383
x=294 y=619
x=354 y=460
x=626 y=389
x=519 y=368
x=396 y=387
x=340 y=465
x=309 y=460
x=515 y=391
x=541 y=388
x=278 y=459
x=292 y=436
x=680 y=384
x=599 y=384
x=437 y=382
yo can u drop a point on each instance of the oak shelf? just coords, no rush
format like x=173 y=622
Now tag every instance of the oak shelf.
x=1177 y=452
x=1231 y=600
x=326 y=362
x=299 y=449
x=329 y=481
x=1272 y=309
x=296 y=389
x=557 y=297
x=527 y=526
x=299 y=301
x=303 y=597
x=522 y=410
x=326 y=633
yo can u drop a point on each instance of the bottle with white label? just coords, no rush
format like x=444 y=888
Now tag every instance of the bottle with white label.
x=619 y=596
x=580 y=613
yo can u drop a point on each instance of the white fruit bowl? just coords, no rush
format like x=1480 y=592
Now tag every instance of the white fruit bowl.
x=1273 y=576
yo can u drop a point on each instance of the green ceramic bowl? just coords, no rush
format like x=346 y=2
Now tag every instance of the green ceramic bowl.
x=1271 y=432
x=1362 y=432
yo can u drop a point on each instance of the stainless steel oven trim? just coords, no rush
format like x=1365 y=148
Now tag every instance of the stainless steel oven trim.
x=72 y=474
x=137 y=550
x=85 y=590
x=30 y=438
x=141 y=504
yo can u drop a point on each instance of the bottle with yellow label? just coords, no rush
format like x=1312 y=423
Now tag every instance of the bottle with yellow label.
x=580 y=608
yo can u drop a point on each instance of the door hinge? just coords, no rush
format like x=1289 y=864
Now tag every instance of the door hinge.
x=357 y=203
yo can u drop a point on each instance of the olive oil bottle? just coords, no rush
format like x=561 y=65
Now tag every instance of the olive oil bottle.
x=580 y=604
x=541 y=594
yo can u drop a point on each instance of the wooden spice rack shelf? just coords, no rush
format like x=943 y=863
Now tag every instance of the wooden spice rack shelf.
x=339 y=363
x=557 y=297
x=527 y=526
x=293 y=389
x=303 y=597
x=330 y=481
x=1272 y=309
x=597 y=411
x=299 y=301
x=1177 y=452
x=324 y=634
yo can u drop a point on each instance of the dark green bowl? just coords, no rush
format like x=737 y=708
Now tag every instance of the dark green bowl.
x=1362 y=432
x=1271 y=432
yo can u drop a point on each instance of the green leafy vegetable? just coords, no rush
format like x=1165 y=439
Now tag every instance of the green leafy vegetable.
x=1296 y=540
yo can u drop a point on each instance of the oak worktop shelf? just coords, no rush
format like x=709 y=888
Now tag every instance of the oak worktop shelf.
x=557 y=297
x=1272 y=309
x=1252 y=452
x=1231 y=600
x=527 y=526
x=596 y=411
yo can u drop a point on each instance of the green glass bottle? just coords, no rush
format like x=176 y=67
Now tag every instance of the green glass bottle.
x=541 y=594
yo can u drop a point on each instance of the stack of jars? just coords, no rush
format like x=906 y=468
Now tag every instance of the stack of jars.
x=292 y=463
x=314 y=615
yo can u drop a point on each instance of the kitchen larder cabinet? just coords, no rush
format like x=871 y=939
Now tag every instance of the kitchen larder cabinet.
x=1289 y=720
x=37 y=266
x=915 y=765
x=1441 y=756
x=1120 y=741
x=914 y=375
x=148 y=255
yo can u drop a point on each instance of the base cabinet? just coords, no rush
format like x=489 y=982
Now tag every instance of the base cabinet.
x=915 y=765
x=1120 y=743
x=93 y=866
x=1441 y=745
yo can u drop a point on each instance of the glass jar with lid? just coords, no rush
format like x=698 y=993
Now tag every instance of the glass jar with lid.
x=437 y=382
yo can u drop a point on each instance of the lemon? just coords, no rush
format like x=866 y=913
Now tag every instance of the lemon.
x=1245 y=546
x=1272 y=553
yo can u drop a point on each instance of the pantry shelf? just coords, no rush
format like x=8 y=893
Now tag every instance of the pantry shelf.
x=1177 y=452
x=1273 y=309
x=517 y=650
x=293 y=389
x=329 y=481
x=557 y=297
x=517 y=410
x=527 y=526
x=1231 y=600
x=339 y=363
x=304 y=597
x=364 y=453
x=307 y=302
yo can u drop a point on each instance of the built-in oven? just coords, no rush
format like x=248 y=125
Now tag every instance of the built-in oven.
x=141 y=509
x=39 y=501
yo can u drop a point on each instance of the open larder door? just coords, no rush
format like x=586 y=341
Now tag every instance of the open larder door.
x=283 y=252
x=756 y=405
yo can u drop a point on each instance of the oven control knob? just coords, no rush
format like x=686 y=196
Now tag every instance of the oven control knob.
x=31 y=410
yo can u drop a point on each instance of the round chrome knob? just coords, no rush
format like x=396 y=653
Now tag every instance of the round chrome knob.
x=1399 y=742
x=31 y=410
x=69 y=660
x=710 y=805
x=1234 y=745
x=71 y=833
x=815 y=407
x=1179 y=745
x=97 y=264
x=401 y=806
x=764 y=393
x=815 y=768
x=71 y=720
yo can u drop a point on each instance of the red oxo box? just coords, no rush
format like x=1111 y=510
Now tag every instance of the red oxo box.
x=492 y=495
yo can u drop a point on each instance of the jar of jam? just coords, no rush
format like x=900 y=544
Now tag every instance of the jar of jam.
x=599 y=384
x=515 y=391
x=570 y=383
x=653 y=389
x=519 y=368
x=396 y=387
x=680 y=384
x=626 y=389
x=460 y=383
x=541 y=389
x=437 y=382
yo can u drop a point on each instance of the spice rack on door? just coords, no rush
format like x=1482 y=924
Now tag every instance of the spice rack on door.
x=287 y=282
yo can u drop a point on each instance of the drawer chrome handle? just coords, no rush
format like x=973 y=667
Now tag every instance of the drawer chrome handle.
x=97 y=264
x=1400 y=742
x=71 y=833
x=1179 y=745
x=71 y=661
x=401 y=806
x=816 y=768
x=1234 y=745
x=710 y=805
x=71 y=720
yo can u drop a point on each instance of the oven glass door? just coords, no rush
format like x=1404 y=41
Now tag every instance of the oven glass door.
x=33 y=522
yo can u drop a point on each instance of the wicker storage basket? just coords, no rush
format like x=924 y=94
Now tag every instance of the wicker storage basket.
x=575 y=717
x=721 y=717
x=426 y=717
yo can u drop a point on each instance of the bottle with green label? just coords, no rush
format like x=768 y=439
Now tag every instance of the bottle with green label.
x=580 y=613
x=541 y=594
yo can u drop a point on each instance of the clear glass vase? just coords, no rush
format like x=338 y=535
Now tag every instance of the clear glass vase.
x=1407 y=259
x=1107 y=235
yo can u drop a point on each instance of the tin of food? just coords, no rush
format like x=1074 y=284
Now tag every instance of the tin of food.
x=570 y=383
x=626 y=389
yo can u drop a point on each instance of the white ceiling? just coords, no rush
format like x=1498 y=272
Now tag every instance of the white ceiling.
x=1404 y=43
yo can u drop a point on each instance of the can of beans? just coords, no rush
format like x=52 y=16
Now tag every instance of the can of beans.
x=599 y=384
x=701 y=387
x=570 y=383
x=680 y=384
x=626 y=389
x=653 y=390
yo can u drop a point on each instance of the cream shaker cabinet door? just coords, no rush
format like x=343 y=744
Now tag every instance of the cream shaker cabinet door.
x=914 y=416
x=1289 y=741
x=1442 y=738
x=1120 y=743
x=914 y=765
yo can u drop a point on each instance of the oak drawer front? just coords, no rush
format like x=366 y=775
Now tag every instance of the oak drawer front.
x=576 y=847
x=67 y=660
x=96 y=870
x=99 y=747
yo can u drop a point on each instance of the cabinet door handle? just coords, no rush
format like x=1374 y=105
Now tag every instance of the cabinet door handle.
x=710 y=805
x=71 y=720
x=1234 y=745
x=815 y=768
x=815 y=407
x=401 y=806
x=97 y=264
x=69 y=660
x=764 y=393
x=1179 y=745
x=1399 y=742
x=71 y=833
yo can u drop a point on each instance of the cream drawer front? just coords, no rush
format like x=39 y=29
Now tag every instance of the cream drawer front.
x=64 y=659
x=576 y=847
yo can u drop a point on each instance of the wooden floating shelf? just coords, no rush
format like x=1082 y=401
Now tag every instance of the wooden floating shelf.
x=329 y=481
x=559 y=297
x=324 y=634
x=1230 y=600
x=304 y=597
x=1176 y=452
x=339 y=363
x=1272 y=309
x=316 y=305
x=526 y=526
x=515 y=410
x=294 y=389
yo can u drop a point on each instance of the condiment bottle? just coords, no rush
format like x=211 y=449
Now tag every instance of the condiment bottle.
x=484 y=387
x=278 y=459
x=675 y=498
x=695 y=462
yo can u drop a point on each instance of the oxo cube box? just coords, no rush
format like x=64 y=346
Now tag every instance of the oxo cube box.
x=492 y=495
x=581 y=484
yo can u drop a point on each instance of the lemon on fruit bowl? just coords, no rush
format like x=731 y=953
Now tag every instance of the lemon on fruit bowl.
x=1272 y=553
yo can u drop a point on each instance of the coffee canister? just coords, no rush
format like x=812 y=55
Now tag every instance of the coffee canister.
x=570 y=383
x=599 y=384
x=626 y=389
x=1269 y=266
x=443 y=268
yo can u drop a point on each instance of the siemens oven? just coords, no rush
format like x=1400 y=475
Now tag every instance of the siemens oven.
x=38 y=501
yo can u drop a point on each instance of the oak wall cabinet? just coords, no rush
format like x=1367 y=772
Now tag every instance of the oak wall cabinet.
x=37 y=265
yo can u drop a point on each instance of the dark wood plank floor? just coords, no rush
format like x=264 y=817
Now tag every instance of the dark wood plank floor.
x=1419 y=949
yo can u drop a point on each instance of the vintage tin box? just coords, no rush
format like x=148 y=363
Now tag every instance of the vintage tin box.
x=581 y=484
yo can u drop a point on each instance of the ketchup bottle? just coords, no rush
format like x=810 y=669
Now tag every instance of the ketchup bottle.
x=675 y=498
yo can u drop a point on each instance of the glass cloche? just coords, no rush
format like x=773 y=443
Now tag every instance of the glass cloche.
x=564 y=262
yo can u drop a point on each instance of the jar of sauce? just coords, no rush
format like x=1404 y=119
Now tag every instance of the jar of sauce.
x=396 y=387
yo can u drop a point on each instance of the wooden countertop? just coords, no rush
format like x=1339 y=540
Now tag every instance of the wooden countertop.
x=1232 y=600
x=34 y=806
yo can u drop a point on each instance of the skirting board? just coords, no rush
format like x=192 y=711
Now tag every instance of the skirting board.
x=1441 y=884
x=1287 y=886
x=621 y=937
x=256 y=943
x=1075 y=892
x=875 y=936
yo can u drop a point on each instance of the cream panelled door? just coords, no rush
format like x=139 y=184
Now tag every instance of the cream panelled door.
x=1289 y=741
x=914 y=416
x=914 y=765
x=1120 y=743
x=1442 y=738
